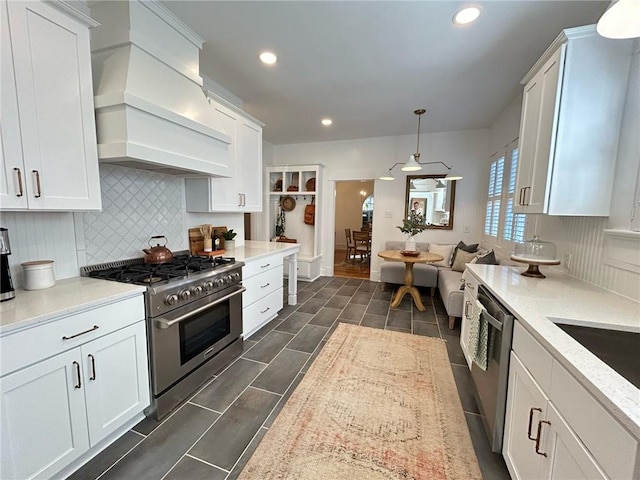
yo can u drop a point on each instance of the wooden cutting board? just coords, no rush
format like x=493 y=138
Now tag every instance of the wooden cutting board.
x=196 y=239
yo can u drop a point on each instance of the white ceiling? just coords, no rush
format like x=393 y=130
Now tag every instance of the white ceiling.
x=369 y=65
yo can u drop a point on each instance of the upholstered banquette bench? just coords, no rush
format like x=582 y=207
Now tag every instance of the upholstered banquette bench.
x=445 y=275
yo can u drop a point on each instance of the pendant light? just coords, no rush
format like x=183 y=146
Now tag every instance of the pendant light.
x=621 y=20
x=413 y=164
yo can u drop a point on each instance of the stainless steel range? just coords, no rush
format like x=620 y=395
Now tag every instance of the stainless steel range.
x=194 y=320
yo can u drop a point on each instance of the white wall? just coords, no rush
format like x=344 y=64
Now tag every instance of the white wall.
x=583 y=237
x=367 y=158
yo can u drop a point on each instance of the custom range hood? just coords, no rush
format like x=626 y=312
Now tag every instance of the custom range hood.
x=151 y=112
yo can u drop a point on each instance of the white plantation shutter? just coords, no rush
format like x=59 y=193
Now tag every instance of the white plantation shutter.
x=502 y=226
x=492 y=216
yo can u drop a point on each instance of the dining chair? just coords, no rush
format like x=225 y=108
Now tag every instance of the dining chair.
x=351 y=247
x=363 y=244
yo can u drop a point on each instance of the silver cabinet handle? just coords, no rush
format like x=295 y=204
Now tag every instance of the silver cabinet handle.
x=77 y=365
x=265 y=310
x=467 y=304
x=265 y=285
x=533 y=409
x=19 y=173
x=38 y=189
x=239 y=199
x=93 y=367
x=95 y=327
x=244 y=200
x=524 y=198
x=265 y=265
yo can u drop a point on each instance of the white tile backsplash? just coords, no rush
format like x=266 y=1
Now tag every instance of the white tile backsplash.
x=136 y=204
x=41 y=236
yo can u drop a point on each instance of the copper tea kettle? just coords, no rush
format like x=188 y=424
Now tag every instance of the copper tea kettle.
x=159 y=253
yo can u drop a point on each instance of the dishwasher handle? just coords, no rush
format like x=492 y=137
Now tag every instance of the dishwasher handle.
x=490 y=304
x=497 y=324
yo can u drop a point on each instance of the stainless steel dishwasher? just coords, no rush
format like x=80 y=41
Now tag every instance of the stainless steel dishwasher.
x=490 y=385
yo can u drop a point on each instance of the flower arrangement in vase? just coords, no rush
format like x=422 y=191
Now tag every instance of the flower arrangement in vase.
x=412 y=226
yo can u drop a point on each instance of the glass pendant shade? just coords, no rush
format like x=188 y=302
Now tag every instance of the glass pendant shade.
x=411 y=165
x=621 y=20
x=453 y=176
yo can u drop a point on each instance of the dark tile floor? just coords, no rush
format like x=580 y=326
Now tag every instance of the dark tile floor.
x=213 y=434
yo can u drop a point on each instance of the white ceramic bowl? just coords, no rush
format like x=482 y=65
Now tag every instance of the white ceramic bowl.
x=38 y=275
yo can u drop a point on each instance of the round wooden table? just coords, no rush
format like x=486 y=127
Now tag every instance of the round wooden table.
x=408 y=287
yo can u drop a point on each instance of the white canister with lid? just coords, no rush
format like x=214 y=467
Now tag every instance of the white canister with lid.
x=38 y=275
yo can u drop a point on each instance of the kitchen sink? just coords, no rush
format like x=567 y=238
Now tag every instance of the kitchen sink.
x=620 y=350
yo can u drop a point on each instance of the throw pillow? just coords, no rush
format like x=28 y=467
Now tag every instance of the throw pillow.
x=464 y=247
x=461 y=260
x=444 y=250
x=488 y=259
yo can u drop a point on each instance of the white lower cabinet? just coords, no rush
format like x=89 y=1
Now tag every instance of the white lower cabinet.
x=543 y=439
x=56 y=410
x=44 y=421
x=263 y=299
x=526 y=406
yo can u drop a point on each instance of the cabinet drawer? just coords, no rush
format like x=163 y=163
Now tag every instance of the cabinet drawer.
x=261 y=265
x=46 y=340
x=258 y=313
x=471 y=284
x=261 y=285
x=537 y=360
x=611 y=445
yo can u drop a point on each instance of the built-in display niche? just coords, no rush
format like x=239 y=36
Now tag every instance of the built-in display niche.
x=433 y=197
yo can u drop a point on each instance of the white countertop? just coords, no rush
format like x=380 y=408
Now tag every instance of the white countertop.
x=252 y=249
x=565 y=299
x=66 y=297
x=73 y=295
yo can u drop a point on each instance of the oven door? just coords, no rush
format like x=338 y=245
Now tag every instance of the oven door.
x=189 y=336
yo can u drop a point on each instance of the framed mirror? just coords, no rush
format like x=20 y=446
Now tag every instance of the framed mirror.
x=432 y=197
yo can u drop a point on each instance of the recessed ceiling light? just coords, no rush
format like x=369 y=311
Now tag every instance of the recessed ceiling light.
x=466 y=15
x=327 y=121
x=268 y=58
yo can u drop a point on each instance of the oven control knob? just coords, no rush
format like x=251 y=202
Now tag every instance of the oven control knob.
x=184 y=294
x=218 y=282
x=171 y=299
x=235 y=276
x=197 y=290
x=208 y=285
x=228 y=279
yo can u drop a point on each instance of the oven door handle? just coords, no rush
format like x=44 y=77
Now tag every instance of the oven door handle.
x=163 y=323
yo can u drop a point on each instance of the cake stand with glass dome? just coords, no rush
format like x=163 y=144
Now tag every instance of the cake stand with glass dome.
x=535 y=252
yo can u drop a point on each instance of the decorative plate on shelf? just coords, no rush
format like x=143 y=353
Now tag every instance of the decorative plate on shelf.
x=409 y=253
x=311 y=185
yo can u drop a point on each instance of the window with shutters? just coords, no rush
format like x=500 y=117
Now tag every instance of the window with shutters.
x=502 y=227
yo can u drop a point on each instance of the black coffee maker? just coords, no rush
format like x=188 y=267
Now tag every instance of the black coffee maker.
x=6 y=288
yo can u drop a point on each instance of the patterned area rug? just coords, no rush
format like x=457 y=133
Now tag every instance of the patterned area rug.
x=375 y=404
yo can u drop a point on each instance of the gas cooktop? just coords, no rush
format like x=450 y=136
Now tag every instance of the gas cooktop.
x=136 y=272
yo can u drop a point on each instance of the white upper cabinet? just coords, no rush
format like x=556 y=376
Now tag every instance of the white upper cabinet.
x=48 y=139
x=571 y=115
x=242 y=191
